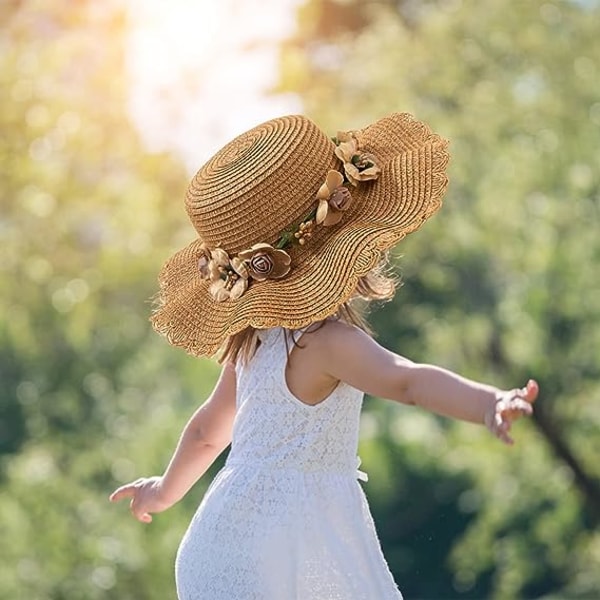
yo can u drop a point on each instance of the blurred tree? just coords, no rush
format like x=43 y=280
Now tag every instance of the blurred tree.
x=88 y=394
x=501 y=285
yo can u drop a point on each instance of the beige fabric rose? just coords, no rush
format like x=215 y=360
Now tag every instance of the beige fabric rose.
x=265 y=262
x=228 y=277
x=333 y=198
x=358 y=165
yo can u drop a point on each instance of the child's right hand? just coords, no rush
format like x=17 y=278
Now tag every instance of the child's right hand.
x=146 y=497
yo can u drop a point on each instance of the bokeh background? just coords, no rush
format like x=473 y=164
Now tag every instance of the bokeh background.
x=106 y=110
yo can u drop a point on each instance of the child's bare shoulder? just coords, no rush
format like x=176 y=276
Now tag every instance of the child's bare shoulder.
x=335 y=334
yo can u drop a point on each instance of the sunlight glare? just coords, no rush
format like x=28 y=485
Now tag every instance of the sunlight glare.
x=200 y=71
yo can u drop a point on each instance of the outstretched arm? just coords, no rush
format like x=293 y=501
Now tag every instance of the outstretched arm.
x=350 y=355
x=205 y=436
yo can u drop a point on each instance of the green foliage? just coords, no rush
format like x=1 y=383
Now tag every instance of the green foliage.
x=501 y=285
x=90 y=397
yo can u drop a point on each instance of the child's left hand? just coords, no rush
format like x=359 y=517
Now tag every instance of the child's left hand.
x=508 y=408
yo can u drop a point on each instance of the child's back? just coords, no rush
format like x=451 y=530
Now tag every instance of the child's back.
x=286 y=517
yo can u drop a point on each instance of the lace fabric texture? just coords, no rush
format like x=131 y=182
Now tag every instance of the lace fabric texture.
x=286 y=518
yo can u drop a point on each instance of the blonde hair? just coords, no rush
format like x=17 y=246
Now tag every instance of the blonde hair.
x=378 y=284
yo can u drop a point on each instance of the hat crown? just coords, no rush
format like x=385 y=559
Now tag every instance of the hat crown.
x=260 y=183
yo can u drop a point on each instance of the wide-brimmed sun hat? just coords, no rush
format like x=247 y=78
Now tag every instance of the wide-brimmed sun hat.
x=288 y=220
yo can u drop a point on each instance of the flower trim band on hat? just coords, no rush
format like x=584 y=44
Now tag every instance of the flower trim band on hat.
x=358 y=166
x=230 y=276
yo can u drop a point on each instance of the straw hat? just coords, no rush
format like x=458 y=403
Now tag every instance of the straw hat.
x=288 y=220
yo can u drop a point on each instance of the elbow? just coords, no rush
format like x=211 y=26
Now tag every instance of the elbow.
x=396 y=389
x=214 y=447
x=405 y=386
x=407 y=398
x=199 y=438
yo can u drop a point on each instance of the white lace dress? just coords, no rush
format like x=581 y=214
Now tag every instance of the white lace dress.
x=286 y=518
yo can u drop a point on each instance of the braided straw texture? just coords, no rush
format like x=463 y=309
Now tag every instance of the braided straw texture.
x=266 y=180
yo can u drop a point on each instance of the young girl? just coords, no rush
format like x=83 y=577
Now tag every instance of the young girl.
x=292 y=226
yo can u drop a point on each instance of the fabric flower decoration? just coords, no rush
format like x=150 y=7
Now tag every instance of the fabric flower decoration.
x=228 y=277
x=204 y=262
x=333 y=198
x=265 y=262
x=358 y=165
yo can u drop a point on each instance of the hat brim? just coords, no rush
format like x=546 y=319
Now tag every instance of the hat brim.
x=409 y=190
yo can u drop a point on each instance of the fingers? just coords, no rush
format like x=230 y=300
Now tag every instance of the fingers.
x=514 y=405
x=501 y=429
x=517 y=407
x=138 y=512
x=137 y=505
x=531 y=391
x=518 y=402
x=125 y=491
x=503 y=435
